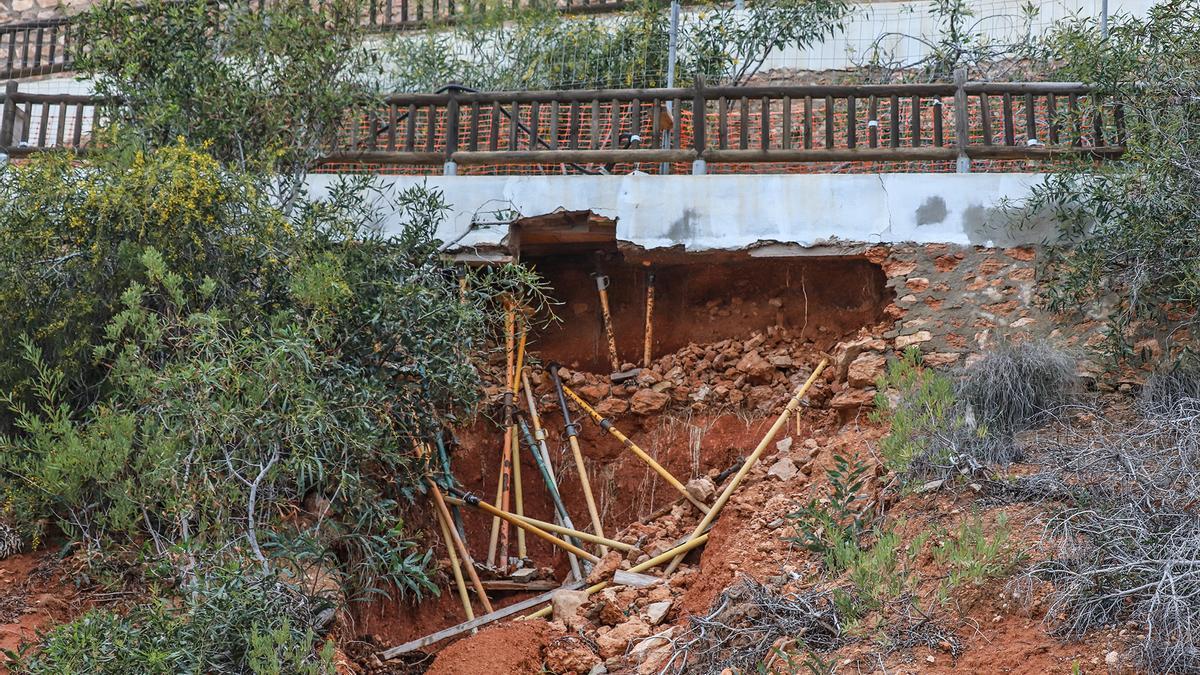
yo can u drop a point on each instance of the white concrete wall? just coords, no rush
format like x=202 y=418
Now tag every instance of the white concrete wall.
x=777 y=214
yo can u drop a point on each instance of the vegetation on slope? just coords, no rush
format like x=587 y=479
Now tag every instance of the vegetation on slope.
x=215 y=381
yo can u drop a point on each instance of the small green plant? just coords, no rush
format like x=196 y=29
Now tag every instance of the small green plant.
x=815 y=665
x=878 y=574
x=924 y=409
x=877 y=571
x=832 y=530
x=971 y=555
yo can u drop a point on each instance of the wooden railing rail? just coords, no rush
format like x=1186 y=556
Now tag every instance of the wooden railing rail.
x=734 y=125
x=36 y=48
x=34 y=122
x=44 y=47
x=593 y=130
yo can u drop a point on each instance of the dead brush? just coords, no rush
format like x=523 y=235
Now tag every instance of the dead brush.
x=1015 y=387
x=1127 y=546
x=944 y=426
x=1170 y=392
x=746 y=620
x=1132 y=563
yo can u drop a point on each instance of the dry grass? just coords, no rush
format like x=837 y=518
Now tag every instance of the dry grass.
x=746 y=620
x=1126 y=545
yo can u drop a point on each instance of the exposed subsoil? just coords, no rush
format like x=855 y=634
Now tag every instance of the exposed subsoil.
x=702 y=299
x=815 y=301
x=733 y=339
x=513 y=647
x=34 y=597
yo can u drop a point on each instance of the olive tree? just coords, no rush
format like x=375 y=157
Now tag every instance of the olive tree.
x=1128 y=244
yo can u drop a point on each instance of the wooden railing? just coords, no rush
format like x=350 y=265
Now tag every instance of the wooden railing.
x=29 y=49
x=36 y=48
x=739 y=126
x=33 y=122
x=750 y=129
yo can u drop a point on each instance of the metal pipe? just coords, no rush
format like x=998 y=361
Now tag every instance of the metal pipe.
x=472 y=500
x=750 y=461
x=602 y=289
x=633 y=447
x=459 y=583
x=468 y=562
x=648 y=346
x=498 y=544
x=440 y=441
x=672 y=57
x=560 y=509
x=649 y=564
x=510 y=405
x=570 y=533
x=572 y=432
x=539 y=434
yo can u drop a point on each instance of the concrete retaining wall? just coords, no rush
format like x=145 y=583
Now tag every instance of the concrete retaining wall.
x=774 y=214
x=960 y=277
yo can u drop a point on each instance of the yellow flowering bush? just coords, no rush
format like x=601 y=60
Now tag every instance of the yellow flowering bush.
x=74 y=233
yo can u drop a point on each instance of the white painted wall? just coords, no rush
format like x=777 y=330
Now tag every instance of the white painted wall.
x=781 y=214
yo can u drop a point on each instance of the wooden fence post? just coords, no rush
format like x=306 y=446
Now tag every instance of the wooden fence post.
x=450 y=168
x=962 y=124
x=699 y=168
x=8 y=122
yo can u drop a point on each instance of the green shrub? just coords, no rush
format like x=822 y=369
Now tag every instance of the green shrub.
x=539 y=48
x=197 y=348
x=1126 y=247
x=74 y=239
x=924 y=413
x=942 y=425
x=268 y=87
x=831 y=530
x=207 y=431
x=290 y=357
x=230 y=621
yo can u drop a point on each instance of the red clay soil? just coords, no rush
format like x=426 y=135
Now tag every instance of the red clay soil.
x=996 y=633
x=513 y=648
x=749 y=537
x=625 y=488
x=999 y=634
x=33 y=598
x=710 y=297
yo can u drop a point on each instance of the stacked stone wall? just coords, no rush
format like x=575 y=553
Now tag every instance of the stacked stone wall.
x=20 y=11
x=954 y=301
